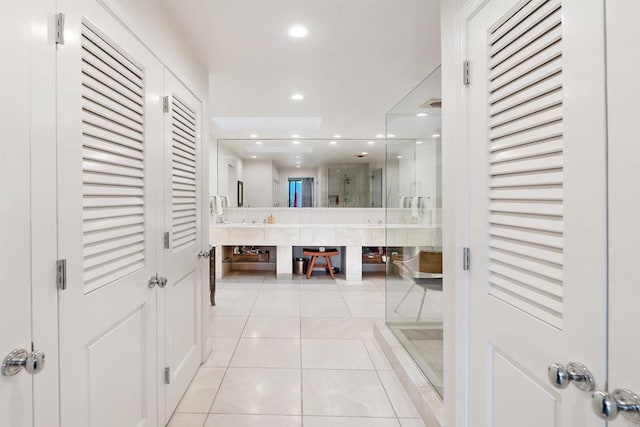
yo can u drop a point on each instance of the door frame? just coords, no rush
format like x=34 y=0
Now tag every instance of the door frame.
x=455 y=214
x=44 y=240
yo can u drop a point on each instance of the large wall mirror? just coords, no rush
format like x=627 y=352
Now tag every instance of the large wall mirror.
x=326 y=173
x=303 y=172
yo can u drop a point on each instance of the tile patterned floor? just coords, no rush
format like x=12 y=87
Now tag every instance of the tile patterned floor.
x=296 y=353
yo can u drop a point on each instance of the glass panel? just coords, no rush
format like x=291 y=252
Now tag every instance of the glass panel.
x=414 y=234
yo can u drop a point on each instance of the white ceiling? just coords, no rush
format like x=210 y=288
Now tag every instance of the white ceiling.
x=359 y=59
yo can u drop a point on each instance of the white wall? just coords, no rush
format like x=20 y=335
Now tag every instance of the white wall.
x=225 y=159
x=257 y=178
x=153 y=26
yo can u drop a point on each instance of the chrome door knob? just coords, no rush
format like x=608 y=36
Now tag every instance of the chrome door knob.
x=31 y=361
x=153 y=281
x=162 y=282
x=203 y=254
x=608 y=405
x=575 y=373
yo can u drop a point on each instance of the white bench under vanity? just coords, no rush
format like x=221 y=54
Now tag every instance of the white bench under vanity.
x=347 y=229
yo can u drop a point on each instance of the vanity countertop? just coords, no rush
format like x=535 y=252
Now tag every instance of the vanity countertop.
x=333 y=234
x=328 y=225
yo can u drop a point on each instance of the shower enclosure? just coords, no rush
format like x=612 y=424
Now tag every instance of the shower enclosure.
x=414 y=279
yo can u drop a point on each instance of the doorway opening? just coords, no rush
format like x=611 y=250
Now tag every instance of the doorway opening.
x=300 y=192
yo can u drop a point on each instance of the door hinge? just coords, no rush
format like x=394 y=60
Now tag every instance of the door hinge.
x=165 y=104
x=167 y=242
x=60 y=28
x=466 y=259
x=61 y=274
x=167 y=375
x=466 y=70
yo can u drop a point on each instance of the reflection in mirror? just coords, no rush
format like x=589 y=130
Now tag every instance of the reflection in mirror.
x=303 y=172
x=300 y=192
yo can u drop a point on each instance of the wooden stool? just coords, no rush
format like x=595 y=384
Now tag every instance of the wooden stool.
x=314 y=253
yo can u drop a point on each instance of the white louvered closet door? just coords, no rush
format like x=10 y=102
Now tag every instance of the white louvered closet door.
x=109 y=119
x=181 y=298
x=536 y=142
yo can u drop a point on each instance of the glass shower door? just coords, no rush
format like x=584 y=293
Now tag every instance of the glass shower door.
x=414 y=280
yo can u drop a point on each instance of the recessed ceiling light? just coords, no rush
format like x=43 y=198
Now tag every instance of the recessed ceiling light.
x=390 y=135
x=253 y=135
x=259 y=142
x=379 y=135
x=298 y=166
x=418 y=142
x=297 y=97
x=337 y=136
x=296 y=142
x=332 y=142
x=297 y=163
x=371 y=142
x=298 y=31
x=254 y=157
x=399 y=157
x=422 y=114
x=295 y=135
x=364 y=153
x=435 y=135
x=297 y=157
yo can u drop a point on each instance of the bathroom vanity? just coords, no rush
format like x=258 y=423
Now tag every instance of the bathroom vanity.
x=349 y=236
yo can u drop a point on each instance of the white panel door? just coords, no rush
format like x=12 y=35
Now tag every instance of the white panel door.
x=537 y=147
x=16 y=392
x=623 y=72
x=109 y=152
x=181 y=298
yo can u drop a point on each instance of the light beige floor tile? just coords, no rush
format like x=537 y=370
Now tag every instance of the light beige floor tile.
x=199 y=396
x=399 y=398
x=366 y=309
x=227 y=326
x=349 y=422
x=276 y=308
x=363 y=296
x=324 y=309
x=278 y=295
x=234 y=302
x=321 y=296
x=344 y=393
x=267 y=353
x=412 y=422
x=335 y=354
x=259 y=391
x=272 y=327
x=187 y=420
x=232 y=420
x=311 y=286
x=313 y=327
x=222 y=351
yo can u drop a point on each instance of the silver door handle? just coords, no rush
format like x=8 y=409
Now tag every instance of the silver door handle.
x=32 y=362
x=153 y=281
x=607 y=406
x=575 y=373
x=162 y=282
x=203 y=254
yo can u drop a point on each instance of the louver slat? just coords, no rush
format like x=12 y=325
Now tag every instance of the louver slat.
x=525 y=167
x=112 y=162
x=184 y=169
